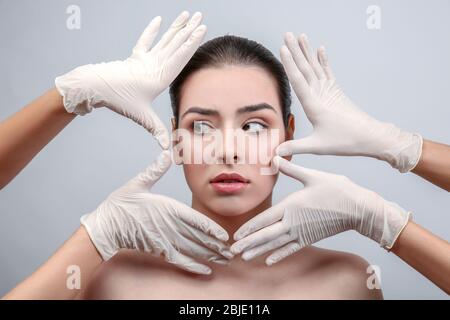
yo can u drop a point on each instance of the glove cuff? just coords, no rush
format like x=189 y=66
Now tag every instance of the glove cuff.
x=78 y=96
x=405 y=153
x=104 y=245
x=395 y=220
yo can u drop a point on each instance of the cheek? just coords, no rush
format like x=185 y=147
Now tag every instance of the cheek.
x=188 y=148
x=194 y=174
x=263 y=184
x=263 y=146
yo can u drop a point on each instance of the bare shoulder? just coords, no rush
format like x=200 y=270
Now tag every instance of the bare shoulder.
x=119 y=277
x=345 y=275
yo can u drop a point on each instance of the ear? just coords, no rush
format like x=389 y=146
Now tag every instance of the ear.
x=174 y=128
x=175 y=140
x=290 y=131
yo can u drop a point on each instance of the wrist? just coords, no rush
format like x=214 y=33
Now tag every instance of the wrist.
x=97 y=232
x=90 y=246
x=56 y=102
x=76 y=89
x=379 y=219
x=395 y=220
x=401 y=149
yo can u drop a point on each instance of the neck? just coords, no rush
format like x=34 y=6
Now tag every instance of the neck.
x=231 y=223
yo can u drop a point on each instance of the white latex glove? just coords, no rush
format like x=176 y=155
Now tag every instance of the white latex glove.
x=327 y=205
x=128 y=87
x=134 y=218
x=340 y=127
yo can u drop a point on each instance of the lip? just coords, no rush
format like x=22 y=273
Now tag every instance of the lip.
x=229 y=183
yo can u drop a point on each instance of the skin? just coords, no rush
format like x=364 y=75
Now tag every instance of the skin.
x=49 y=281
x=434 y=164
x=418 y=247
x=425 y=252
x=226 y=96
x=28 y=131
x=313 y=273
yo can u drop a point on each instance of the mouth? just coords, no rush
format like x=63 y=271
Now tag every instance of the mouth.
x=229 y=183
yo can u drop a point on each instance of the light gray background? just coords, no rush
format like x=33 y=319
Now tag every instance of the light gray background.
x=399 y=74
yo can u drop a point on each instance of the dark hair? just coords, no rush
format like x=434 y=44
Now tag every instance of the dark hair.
x=233 y=50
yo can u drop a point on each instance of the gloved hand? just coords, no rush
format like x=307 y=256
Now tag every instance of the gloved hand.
x=128 y=87
x=327 y=205
x=340 y=127
x=134 y=218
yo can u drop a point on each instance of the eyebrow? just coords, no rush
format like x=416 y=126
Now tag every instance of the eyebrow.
x=244 y=109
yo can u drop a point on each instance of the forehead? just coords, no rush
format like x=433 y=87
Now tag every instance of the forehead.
x=230 y=86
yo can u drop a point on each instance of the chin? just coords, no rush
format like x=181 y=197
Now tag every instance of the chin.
x=232 y=206
x=230 y=211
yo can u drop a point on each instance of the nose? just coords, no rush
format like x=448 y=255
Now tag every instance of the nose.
x=228 y=148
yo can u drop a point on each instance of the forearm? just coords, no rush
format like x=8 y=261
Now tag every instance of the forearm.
x=26 y=132
x=425 y=252
x=434 y=164
x=53 y=280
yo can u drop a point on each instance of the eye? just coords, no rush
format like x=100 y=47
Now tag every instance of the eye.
x=201 y=127
x=254 y=127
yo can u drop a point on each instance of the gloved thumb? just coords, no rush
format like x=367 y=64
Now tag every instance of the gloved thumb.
x=304 y=175
x=148 y=36
x=147 y=178
x=309 y=144
x=148 y=119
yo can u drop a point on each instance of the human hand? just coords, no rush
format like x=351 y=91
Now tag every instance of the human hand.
x=134 y=218
x=128 y=87
x=340 y=127
x=327 y=205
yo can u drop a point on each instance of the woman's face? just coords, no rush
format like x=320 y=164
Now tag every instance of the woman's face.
x=230 y=115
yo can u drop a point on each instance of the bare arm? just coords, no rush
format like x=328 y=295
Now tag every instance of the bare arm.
x=434 y=164
x=29 y=130
x=425 y=252
x=50 y=280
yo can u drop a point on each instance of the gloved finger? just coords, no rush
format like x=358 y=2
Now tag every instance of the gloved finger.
x=214 y=244
x=296 y=78
x=323 y=60
x=146 y=179
x=283 y=252
x=175 y=27
x=157 y=128
x=223 y=262
x=202 y=223
x=312 y=59
x=262 y=220
x=147 y=37
x=186 y=263
x=266 y=247
x=304 y=175
x=183 y=34
x=185 y=52
x=309 y=144
x=299 y=58
x=148 y=119
x=196 y=250
x=192 y=233
x=259 y=237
